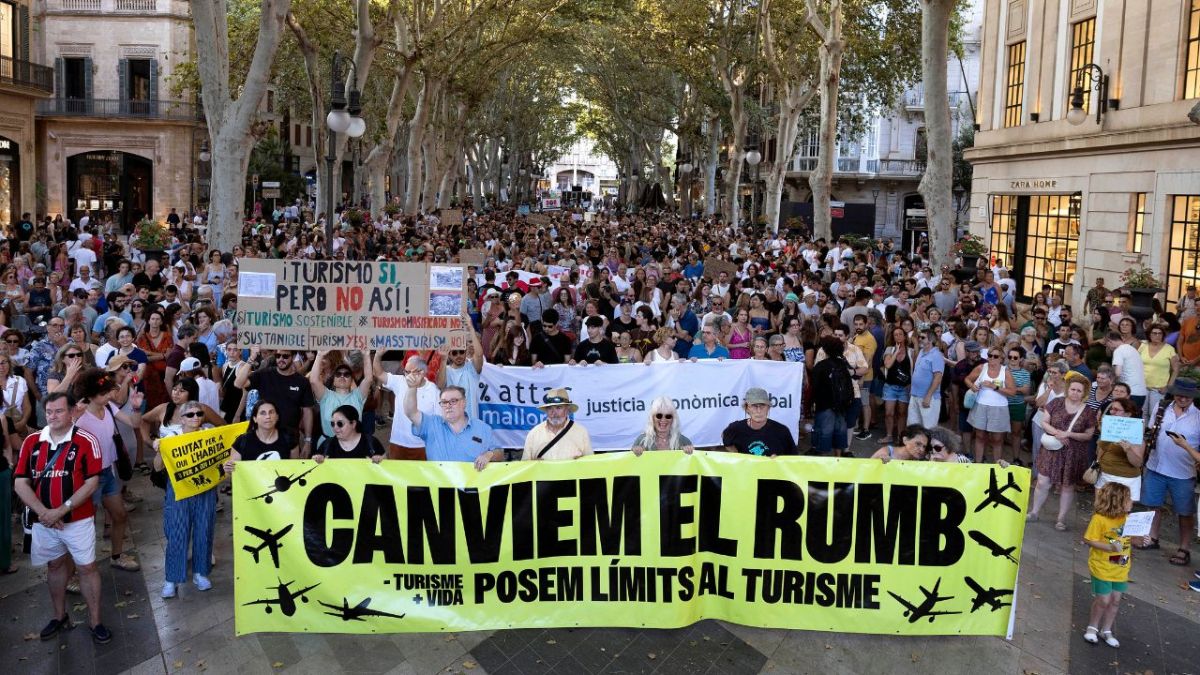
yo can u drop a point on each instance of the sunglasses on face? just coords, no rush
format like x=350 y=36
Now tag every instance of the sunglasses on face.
x=194 y=414
x=664 y=416
x=338 y=424
x=73 y=356
x=283 y=357
x=342 y=373
x=13 y=341
x=457 y=352
x=937 y=447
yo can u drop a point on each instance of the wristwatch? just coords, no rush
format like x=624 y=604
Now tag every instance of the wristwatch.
x=68 y=504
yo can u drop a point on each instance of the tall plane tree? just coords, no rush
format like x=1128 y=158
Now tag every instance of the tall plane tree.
x=230 y=118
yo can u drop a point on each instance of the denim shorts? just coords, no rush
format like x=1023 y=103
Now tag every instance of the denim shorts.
x=109 y=485
x=829 y=431
x=1156 y=486
x=895 y=392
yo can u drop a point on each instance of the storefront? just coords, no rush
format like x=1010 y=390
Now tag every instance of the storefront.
x=110 y=183
x=1036 y=236
x=10 y=181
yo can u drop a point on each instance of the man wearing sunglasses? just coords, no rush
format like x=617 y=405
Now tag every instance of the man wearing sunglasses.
x=288 y=390
x=463 y=372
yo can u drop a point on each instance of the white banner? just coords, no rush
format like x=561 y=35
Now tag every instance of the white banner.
x=614 y=400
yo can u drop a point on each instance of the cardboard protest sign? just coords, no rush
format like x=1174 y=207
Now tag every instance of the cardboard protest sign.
x=298 y=304
x=539 y=218
x=452 y=216
x=476 y=257
x=714 y=266
x=194 y=461
x=658 y=541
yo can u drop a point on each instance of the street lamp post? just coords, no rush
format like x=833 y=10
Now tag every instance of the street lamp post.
x=341 y=119
x=753 y=158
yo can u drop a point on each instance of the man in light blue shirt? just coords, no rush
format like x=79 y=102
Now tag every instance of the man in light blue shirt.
x=925 y=394
x=451 y=436
x=1172 y=465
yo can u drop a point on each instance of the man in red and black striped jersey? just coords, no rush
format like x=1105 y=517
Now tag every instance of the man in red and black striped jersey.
x=65 y=463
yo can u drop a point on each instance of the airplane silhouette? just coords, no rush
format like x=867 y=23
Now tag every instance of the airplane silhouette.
x=286 y=598
x=990 y=597
x=356 y=613
x=269 y=541
x=925 y=610
x=283 y=483
x=995 y=549
x=995 y=494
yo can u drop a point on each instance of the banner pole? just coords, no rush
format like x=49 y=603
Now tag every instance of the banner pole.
x=1012 y=614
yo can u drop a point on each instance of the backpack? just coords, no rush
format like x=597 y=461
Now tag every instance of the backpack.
x=841 y=386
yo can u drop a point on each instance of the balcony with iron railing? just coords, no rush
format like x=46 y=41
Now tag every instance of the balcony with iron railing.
x=107 y=6
x=892 y=168
x=118 y=108
x=20 y=74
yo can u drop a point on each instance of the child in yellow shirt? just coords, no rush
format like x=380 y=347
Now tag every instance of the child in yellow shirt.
x=1108 y=560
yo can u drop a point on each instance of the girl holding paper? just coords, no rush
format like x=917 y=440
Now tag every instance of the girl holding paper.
x=1121 y=461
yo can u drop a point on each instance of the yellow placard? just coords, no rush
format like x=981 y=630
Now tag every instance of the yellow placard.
x=193 y=461
x=662 y=540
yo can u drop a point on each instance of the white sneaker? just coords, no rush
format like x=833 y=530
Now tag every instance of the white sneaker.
x=169 y=590
x=1109 y=639
x=202 y=582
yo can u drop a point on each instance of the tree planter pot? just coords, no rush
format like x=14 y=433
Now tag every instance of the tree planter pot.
x=1141 y=305
x=967 y=272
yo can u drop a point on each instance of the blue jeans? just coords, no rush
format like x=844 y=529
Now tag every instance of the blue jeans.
x=829 y=431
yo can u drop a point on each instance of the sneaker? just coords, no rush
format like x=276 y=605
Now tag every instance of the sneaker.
x=1110 y=640
x=56 y=626
x=202 y=582
x=862 y=435
x=1194 y=585
x=126 y=562
x=169 y=590
x=101 y=635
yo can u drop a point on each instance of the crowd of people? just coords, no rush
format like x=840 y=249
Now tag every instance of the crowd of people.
x=105 y=351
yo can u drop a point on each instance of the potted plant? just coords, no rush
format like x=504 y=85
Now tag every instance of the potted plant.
x=970 y=248
x=1143 y=284
x=151 y=238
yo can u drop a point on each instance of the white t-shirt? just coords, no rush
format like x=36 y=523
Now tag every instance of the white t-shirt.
x=427 y=403
x=1127 y=361
x=84 y=255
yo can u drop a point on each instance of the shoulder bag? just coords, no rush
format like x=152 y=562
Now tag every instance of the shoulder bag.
x=123 y=466
x=28 y=517
x=1053 y=444
x=556 y=439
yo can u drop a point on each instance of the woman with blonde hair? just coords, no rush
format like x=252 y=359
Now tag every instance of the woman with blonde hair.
x=662 y=429
x=665 y=351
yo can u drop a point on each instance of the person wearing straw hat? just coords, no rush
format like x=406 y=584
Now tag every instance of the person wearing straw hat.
x=558 y=437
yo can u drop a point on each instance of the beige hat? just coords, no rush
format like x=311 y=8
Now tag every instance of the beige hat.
x=557 y=397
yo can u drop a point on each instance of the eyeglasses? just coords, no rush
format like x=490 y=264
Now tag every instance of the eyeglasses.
x=130 y=366
x=73 y=356
x=1014 y=357
x=340 y=423
x=13 y=341
x=457 y=352
x=450 y=401
x=995 y=356
x=664 y=416
x=283 y=357
x=193 y=415
x=342 y=373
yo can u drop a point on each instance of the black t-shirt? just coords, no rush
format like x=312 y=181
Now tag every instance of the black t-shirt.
x=368 y=446
x=155 y=283
x=551 y=349
x=772 y=439
x=24 y=229
x=250 y=447
x=592 y=352
x=619 y=325
x=291 y=394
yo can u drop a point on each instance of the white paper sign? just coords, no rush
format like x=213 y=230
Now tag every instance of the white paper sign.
x=1138 y=524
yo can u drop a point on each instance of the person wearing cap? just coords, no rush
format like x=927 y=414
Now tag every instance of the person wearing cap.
x=961 y=371
x=558 y=436
x=758 y=434
x=536 y=301
x=191 y=367
x=1171 y=467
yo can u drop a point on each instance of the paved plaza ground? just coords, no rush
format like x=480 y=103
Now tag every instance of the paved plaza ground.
x=1159 y=627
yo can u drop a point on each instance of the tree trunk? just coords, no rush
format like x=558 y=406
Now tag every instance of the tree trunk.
x=229 y=120
x=733 y=172
x=831 y=51
x=936 y=184
x=710 y=166
x=416 y=137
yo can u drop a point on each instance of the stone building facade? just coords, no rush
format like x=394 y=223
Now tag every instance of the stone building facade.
x=23 y=80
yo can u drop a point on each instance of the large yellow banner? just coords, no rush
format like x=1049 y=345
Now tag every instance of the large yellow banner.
x=662 y=540
x=193 y=461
